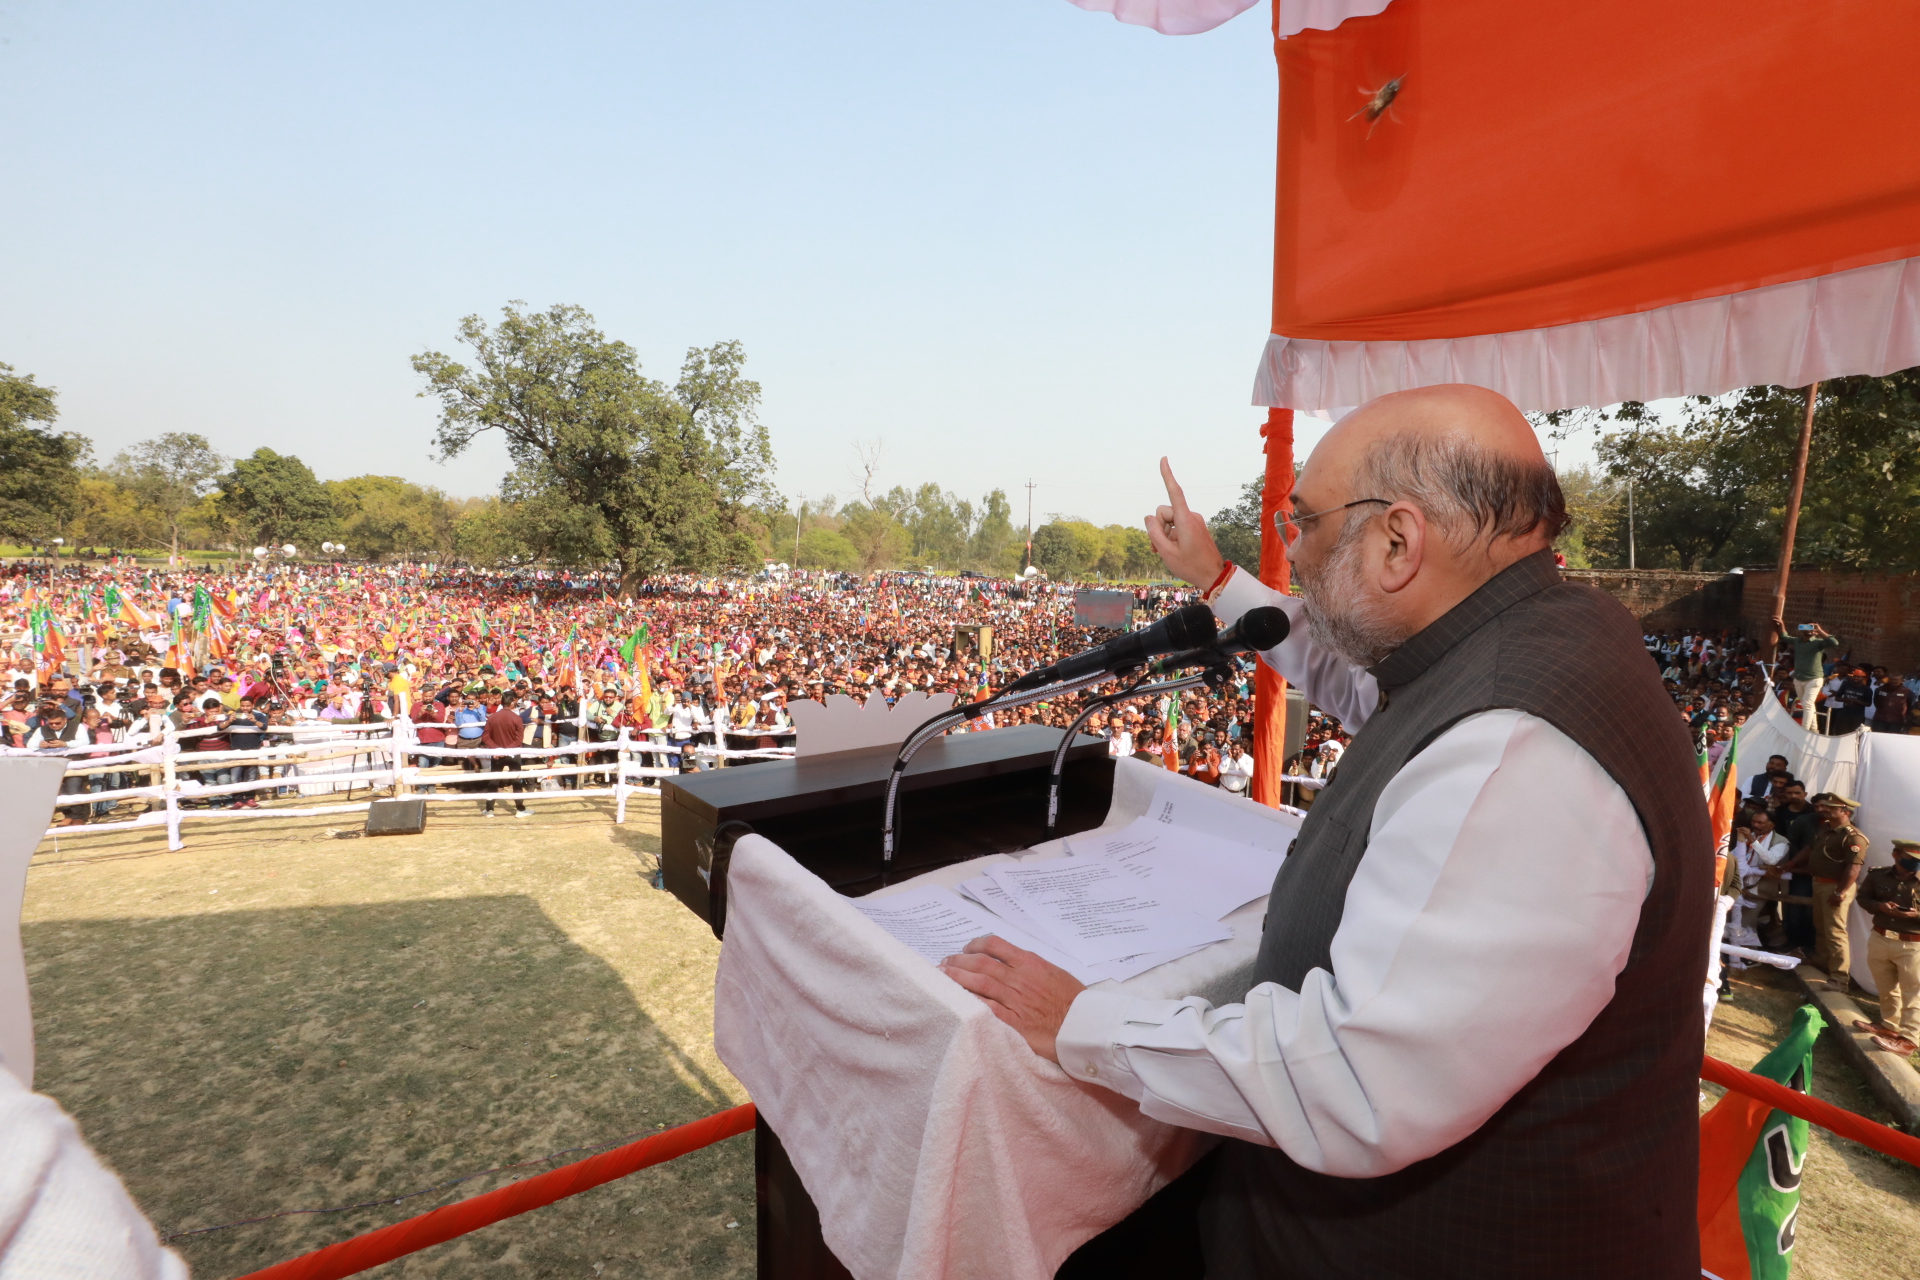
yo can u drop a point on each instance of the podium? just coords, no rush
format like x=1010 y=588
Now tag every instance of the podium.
x=966 y=796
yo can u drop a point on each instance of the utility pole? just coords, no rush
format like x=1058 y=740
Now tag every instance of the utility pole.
x=1030 y=487
x=1630 y=522
x=1793 y=521
x=799 y=514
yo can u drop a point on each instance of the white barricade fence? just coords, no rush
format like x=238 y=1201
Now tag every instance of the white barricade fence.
x=329 y=757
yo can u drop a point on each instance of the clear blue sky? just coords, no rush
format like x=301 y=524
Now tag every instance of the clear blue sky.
x=1012 y=239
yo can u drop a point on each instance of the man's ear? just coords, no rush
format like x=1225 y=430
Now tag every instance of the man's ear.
x=1406 y=530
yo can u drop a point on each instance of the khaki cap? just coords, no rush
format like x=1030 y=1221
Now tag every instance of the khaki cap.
x=1834 y=799
x=1906 y=844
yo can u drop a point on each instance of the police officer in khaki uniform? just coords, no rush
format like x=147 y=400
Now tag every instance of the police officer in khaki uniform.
x=1892 y=894
x=1833 y=858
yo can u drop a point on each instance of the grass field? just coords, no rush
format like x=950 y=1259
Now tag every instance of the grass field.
x=274 y=1019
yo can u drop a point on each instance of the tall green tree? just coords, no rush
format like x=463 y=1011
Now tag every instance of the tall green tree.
x=940 y=524
x=379 y=516
x=1861 y=508
x=993 y=535
x=824 y=548
x=168 y=476
x=486 y=532
x=39 y=467
x=1694 y=490
x=1236 y=530
x=876 y=535
x=273 y=498
x=670 y=473
x=1595 y=536
x=1066 y=548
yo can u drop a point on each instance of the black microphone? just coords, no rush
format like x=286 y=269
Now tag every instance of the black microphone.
x=1257 y=631
x=1185 y=628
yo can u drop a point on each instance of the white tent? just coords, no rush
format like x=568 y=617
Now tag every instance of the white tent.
x=1880 y=770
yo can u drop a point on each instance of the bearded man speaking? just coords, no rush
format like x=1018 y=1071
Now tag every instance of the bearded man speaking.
x=1472 y=1043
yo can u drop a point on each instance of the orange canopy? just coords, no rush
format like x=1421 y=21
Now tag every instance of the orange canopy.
x=1579 y=204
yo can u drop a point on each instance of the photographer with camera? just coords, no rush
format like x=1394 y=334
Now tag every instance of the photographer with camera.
x=1810 y=640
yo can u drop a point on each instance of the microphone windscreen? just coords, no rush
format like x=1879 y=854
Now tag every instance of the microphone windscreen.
x=1265 y=627
x=1193 y=627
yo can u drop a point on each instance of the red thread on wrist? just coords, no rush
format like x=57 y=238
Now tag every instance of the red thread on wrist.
x=1226 y=573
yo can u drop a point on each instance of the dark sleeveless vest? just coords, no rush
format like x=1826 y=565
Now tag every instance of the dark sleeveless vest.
x=1592 y=1168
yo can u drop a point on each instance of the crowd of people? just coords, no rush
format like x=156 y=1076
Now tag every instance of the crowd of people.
x=111 y=655
x=122 y=655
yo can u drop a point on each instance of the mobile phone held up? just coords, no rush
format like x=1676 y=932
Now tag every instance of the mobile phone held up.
x=1805 y=626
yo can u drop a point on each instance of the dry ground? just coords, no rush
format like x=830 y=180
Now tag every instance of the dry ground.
x=274 y=1019
x=268 y=1020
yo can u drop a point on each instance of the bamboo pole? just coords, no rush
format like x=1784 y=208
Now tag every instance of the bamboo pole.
x=1792 y=525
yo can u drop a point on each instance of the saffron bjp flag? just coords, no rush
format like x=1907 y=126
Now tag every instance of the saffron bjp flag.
x=1723 y=798
x=1750 y=1163
x=125 y=610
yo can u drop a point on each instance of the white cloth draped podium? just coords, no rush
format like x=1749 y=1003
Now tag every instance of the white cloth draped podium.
x=933 y=1141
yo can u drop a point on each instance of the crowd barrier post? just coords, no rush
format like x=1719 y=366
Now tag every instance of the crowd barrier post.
x=620 y=787
x=402 y=771
x=169 y=782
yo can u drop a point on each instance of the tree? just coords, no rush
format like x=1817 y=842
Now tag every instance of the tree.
x=669 y=473
x=1066 y=548
x=380 y=516
x=1126 y=553
x=823 y=548
x=107 y=513
x=1861 y=508
x=39 y=468
x=940 y=524
x=993 y=535
x=877 y=537
x=1595 y=535
x=273 y=498
x=168 y=476
x=1693 y=487
x=486 y=533
x=1710 y=480
x=1236 y=531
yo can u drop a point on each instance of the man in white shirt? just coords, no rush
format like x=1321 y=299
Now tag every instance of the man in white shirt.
x=1472 y=1042
x=1237 y=765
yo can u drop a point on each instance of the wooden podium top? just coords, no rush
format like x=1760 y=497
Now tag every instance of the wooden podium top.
x=963 y=796
x=775 y=787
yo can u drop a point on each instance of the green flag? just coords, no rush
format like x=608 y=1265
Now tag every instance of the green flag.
x=1750 y=1163
x=202 y=607
x=633 y=644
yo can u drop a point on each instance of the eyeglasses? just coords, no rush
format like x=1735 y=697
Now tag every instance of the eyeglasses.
x=1288 y=526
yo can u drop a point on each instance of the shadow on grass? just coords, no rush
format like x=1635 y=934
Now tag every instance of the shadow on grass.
x=229 y=1065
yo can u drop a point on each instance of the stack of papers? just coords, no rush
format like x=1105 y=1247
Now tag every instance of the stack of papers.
x=1120 y=902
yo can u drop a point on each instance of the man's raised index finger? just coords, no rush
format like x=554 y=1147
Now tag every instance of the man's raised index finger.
x=1175 y=494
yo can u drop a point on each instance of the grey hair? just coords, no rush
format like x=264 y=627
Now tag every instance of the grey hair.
x=1468 y=490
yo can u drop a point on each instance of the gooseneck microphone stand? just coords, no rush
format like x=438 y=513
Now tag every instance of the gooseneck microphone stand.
x=1214 y=676
x=939 y=724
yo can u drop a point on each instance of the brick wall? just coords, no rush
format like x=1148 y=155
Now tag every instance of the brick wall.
x=1876 y=615
x=1669 y=600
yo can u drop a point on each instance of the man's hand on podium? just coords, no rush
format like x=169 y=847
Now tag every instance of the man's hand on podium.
x=1024 y=991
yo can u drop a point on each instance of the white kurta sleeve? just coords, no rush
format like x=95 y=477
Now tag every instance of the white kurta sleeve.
x=1482 y=933
x=1346 y=692
x=63 y=1213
